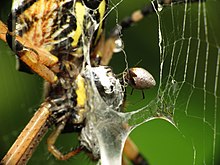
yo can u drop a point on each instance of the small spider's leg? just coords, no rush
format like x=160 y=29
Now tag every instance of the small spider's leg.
x=132 y=90
x=132 y=153
x=52 y=140
x=143 y=94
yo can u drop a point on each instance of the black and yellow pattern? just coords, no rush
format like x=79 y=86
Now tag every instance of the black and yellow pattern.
x=57 y=26
x=52 y=30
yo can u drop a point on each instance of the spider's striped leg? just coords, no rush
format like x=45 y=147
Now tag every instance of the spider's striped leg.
x=150 y=8
x=26 y=143
x=37 y=59
x=3 y=31
x=40 y=61
x=24 y=146
x=132 y=153
x=111 y=42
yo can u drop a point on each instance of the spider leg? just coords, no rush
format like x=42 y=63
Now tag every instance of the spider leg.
x=127 y=22
x=143 y=94
x=132 y=90
x=52 y=140
x=38 y=60
x=132 y=153
x=24 y=146
x=148 y=9
x=124 y=160
x=3 y=31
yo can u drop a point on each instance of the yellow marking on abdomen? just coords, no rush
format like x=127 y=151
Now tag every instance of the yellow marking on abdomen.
x=79 y=13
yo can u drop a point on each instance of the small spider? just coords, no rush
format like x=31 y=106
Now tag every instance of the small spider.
x=139 y=78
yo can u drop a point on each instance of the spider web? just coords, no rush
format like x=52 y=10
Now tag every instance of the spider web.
x=189 y=75
x=188 y=85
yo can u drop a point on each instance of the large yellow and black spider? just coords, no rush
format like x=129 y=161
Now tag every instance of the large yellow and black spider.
x=47 y=38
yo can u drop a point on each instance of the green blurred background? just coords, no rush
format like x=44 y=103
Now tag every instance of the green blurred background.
x=159 y=141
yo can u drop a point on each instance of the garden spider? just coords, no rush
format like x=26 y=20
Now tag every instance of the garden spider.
x=59 y=60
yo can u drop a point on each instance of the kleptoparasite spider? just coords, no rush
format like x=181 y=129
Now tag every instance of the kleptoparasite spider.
x=139 y=78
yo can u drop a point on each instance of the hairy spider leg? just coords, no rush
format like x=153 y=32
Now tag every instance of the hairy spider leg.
x=24 y=146
x=51 y=140
x=37 y=59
